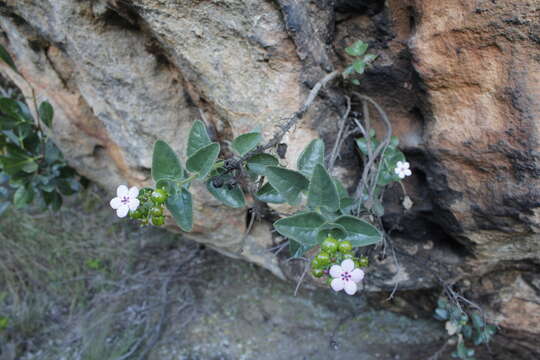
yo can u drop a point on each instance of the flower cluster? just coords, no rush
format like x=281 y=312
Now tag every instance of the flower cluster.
x=336 y=259
x=145 y=205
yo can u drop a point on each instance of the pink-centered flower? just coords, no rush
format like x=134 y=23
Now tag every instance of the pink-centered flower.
x=403 y=169
x=125 y=200
x=346 y=277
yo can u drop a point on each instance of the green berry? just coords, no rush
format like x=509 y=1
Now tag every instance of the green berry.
x=363 y=261
x=317 y=273
x=345 y=247
x=159 y=196
x=329 y=245
x=316 y=264
x=137 y=214
x=156 y=211
x=323 y=258
x=158 y=220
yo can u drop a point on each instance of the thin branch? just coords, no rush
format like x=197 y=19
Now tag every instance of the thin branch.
x=340 y=138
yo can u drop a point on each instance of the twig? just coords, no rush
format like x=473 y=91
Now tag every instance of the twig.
x=340 y=138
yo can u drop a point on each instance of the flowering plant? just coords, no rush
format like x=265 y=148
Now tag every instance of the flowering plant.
x=328 y=217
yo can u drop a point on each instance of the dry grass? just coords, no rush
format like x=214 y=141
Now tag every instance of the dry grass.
x=103 y=284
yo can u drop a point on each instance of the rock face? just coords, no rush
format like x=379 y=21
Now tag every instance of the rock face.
x=459 y=79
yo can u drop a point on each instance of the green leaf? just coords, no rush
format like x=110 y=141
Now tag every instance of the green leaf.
x=3 y=207
x=477 y=321
x=288 y=183
x=355 y=82
x=441 y=314
x=322 y=190
x=461 y=350
x=231 y=197
x=181 y=207
x=268 y=194
x=165 y=163
x=203 y=160
x=30 y=166
x=52 y=153
x=331 y=229
x=357 y=49
x=359 y=232
x=46 y=113
x=246 y=142
x=312 y=155
x=302 y=228
x=11 y=107
x=259 y=162
x=23 y=196
x=4 y=55
x=198 y=138
x=359 y=66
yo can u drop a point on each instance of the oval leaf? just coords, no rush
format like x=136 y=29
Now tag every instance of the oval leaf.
x=322 y=190
x=312 y=155
x=268 y=194
x=246 y=142
x=288 y=183
x=259 y=162
x=359 y=232
x=181 y=207
x=203 y=160
x=4 y=55
x=165 y=163
x=23 y=196
x=302 y=228
x=46 y=113
x=357 y=49
x=198 y=138
x=233 y=197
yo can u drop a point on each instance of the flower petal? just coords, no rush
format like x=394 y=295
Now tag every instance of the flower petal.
x=407 y=172
x=347 y=265
x=406 y=165
x=335 y=271
x=133 y=192
x=122 y=211
x=351 y=287
x=133 y=204
x=397 y=170
x=121 y=191
x=337 y=284
x=357 y=275
x=115 y=203
x=399 y=164
x=401 y=175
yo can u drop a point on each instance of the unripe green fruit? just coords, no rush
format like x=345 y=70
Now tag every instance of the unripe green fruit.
x=323 y=258
x=317 y=273
x=345 y=247
x=156 y=211
x=158 y=220
x=329 y=245
x=159 y=196
x=316 y=264
x=363 y=261
x=137 y=214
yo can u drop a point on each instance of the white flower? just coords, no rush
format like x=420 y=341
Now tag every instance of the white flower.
x=346 y=277
x=402 y=169
x=125 y=201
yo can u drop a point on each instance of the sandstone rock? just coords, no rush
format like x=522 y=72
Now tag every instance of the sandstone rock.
x=459 y=79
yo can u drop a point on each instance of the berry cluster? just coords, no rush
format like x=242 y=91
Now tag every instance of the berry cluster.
x=334 y=252
x=151 y=206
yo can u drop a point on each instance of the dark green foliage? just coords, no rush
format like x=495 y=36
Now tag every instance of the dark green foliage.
x=31 y=165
